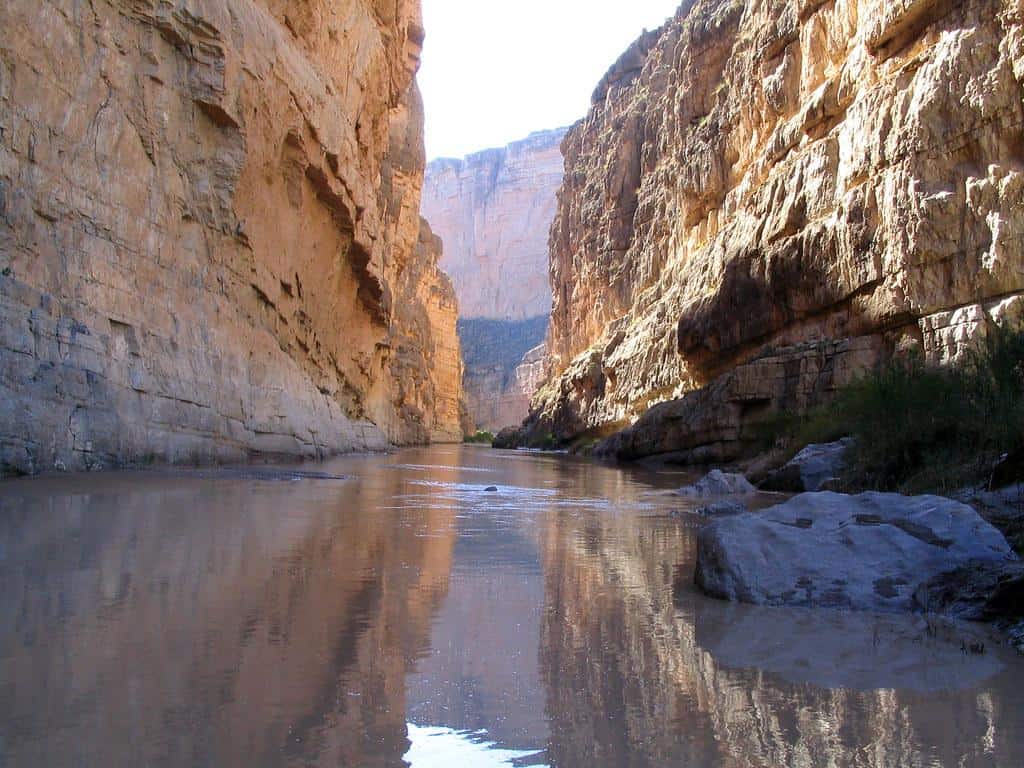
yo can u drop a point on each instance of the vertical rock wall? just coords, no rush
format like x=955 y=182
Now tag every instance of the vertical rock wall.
x=493 y=210
x=208 y=216
x=768 y=197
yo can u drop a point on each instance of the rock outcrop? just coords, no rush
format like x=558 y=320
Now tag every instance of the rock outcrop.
x=210 y=238
x=493 y=210
x=866 y=552
x=768 y=197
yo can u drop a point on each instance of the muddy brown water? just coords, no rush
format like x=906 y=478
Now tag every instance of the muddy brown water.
x=405 y=616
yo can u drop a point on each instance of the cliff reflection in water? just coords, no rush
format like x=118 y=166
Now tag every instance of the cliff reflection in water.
x=635 y=680
x=176 y=620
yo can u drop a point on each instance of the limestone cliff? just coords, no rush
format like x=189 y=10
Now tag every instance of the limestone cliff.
x=209 y=233
x=768 y=197
x=493 y=210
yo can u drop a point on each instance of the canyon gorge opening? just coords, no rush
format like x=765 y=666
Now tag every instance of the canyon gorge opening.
x=739 y=285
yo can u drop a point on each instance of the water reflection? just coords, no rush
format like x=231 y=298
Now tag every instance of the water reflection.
x=410 y=617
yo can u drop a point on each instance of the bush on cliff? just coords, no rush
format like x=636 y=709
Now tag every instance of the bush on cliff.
x=482 y=436
x=922 y=427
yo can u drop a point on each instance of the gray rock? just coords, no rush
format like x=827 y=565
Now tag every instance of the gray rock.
x=717 y=483
x=865 y=552
x=811 y=469
x=723 y=509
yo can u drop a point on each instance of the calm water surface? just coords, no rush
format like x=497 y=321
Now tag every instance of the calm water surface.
x=408 y=617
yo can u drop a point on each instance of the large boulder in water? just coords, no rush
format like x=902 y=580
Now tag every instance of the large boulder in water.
x=865 y=552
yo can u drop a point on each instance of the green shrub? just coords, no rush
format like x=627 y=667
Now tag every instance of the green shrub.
x=920 y=427
x=481 y=436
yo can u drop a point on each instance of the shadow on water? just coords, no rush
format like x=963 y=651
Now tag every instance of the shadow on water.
x=410 y=616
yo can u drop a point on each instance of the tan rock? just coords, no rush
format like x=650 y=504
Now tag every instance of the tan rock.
x=209 y=213
x=779 y=174
x=493 y=211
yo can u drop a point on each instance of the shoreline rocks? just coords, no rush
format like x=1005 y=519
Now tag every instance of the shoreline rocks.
x=718 y=483
x=815 y=467
x=873 y=551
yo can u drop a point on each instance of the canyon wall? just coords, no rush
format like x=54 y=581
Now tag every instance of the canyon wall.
x=493 y=210
x=766 y=199
x=210 y=242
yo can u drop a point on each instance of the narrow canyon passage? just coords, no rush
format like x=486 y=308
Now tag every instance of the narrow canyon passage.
x=408 y=616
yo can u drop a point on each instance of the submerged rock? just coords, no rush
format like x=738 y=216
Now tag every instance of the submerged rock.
x=718 y=483
x=867 y=552
x=723 y=509
x=811 y=469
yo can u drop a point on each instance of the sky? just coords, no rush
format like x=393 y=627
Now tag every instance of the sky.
x=494 y=71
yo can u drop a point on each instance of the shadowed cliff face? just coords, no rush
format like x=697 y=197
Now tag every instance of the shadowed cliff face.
x=209 y=232
x=794 y=176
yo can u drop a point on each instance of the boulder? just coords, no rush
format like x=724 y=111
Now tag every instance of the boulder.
x=867 y=552
x=811 y=469
x=717 y=483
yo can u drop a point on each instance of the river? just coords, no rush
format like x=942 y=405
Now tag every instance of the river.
x=408 y=616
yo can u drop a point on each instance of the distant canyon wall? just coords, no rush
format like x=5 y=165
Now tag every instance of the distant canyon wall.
x=210 y=239
x=493 y=210
x=506 y=361
x=768 y=198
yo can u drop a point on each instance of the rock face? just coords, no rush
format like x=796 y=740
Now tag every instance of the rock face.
x=866 y=552
x=209 y=233
x=768 y=197
x=493 y=210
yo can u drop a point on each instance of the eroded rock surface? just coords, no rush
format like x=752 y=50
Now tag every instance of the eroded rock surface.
x=867 y=552
x=209 y=233
x=768 y=197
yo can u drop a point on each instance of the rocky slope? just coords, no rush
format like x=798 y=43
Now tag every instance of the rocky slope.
x=210 y=241
x=768 y=197
x=493 y=210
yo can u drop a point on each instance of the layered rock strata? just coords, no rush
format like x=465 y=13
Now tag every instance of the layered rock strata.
x=209 y=233
x=493 y=210
x=767 y=198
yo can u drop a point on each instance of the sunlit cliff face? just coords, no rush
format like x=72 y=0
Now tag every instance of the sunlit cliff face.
x=765 y=174
x=210 y=234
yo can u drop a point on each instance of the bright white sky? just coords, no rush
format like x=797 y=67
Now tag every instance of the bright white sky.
x=494 y=71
